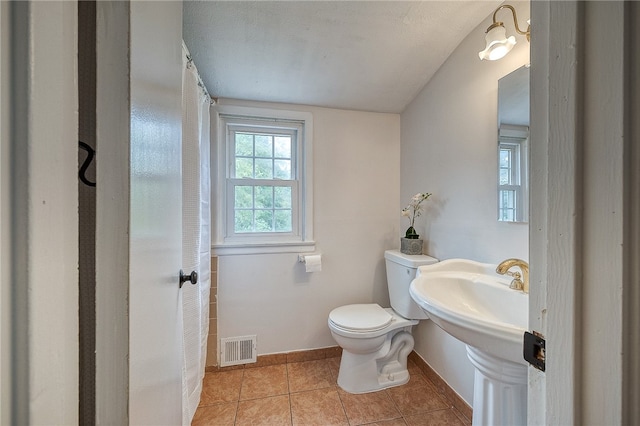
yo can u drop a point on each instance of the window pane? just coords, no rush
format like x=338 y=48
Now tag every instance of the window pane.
x=507 y=215
x=282 y=147
x=282 y=197
x=264 y=220
x=283 y=221
x=264 y=197
x=244 y=168
x=244 y=144
x=243 y=197
x=507 y=198
x=264 y=168
x=506 y=164
x=264 y=146
x=244 y=221
x=505 y=176
x=282 y=169
x=505 y=158
x=507 y=208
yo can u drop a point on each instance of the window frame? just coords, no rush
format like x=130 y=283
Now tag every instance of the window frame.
x=224 y=239
x=290 y=128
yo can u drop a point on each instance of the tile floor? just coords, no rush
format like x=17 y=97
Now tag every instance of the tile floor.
x=306 y=393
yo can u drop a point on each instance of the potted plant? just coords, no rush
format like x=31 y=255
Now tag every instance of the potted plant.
x=411 y=242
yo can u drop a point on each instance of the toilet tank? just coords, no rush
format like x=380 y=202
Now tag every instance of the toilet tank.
x=401 y=270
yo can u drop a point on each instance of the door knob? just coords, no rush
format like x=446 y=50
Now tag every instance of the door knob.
x=193 y=277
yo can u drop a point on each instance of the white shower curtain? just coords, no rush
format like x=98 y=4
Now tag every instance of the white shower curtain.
x=196 y=241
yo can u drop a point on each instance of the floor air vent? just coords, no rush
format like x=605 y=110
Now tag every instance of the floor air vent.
x=237 y=350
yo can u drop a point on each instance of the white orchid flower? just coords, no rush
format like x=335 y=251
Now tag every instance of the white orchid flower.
x=414 y=209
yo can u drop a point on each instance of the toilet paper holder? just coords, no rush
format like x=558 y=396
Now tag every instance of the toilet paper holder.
x=312 y=261
x=302 y=257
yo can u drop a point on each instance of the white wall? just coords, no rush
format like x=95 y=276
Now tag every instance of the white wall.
x=449 y=148
x=356 y=210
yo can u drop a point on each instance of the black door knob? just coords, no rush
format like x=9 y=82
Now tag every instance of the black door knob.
x=193 y=277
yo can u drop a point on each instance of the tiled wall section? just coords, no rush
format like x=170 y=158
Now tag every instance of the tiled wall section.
x=212 y=338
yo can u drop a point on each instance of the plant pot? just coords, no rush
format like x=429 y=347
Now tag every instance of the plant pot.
x=410 y=246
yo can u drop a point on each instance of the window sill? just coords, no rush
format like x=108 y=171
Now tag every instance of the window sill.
x=232 y=249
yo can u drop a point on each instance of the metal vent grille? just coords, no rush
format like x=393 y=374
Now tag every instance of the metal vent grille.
x=237 y=350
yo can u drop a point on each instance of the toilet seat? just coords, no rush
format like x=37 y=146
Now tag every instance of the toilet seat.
x=361 y=318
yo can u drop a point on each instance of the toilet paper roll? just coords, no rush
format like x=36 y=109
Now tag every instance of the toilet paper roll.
x=313 y=263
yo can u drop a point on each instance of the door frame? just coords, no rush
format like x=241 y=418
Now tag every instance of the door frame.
x=113 y=117
x=40 y=276
x=555 y=201
x=5 y=219
x=584 y=232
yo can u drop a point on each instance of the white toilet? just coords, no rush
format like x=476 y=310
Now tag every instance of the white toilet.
x=376 y=341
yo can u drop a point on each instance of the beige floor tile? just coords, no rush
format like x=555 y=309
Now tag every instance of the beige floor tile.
x=417 y=379
x=271 y=411
x=413 y=368
x=334 y=366
x=317 y=407
x=416 y=399
x=310 y=375
x=466 y=421
x=221 y=387
x=218 y=414
x=368 y=407
x=264 y=381
x=444 y=417
x=393 y=422
x=306 y=393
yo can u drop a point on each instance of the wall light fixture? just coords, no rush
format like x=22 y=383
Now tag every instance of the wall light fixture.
x=498 y=45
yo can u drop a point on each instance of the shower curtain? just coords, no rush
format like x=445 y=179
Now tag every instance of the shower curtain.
x=196 y=241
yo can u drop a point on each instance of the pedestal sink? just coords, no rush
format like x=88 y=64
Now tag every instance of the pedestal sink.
x=474 y=304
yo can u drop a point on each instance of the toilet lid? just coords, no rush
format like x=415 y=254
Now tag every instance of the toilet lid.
x=364 y=317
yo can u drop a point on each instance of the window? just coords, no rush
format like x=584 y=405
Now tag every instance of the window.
x=265 y=179
x=512 y=186
x=263 y=185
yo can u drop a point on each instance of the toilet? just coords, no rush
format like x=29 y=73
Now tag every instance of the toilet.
x=376 y=341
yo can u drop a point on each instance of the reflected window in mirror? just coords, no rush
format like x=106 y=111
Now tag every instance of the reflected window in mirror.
x=512 y=163
x=513 y=146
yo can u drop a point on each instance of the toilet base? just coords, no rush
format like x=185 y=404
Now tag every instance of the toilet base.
x=382 y=369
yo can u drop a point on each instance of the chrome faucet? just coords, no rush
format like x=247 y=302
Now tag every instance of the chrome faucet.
x=519 y=282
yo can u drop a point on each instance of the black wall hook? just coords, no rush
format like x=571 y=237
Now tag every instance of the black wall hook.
x=86 y=164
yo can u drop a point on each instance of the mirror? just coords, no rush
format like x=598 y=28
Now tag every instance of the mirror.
x=513 y=146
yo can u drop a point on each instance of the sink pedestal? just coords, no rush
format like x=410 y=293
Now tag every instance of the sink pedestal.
x=499 y=390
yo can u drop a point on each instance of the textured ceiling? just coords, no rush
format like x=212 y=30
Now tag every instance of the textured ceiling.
x=370 y=56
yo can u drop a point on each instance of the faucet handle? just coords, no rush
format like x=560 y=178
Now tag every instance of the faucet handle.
x=515 y=275
x=520 y=282
x=516 y=283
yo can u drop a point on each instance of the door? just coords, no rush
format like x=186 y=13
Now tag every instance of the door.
x=139 y=234
x=155 y=239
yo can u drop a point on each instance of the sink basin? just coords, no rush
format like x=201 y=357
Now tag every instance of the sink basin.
x=474 y=304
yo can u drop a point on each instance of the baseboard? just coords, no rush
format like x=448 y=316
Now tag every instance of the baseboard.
x=284 y=358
